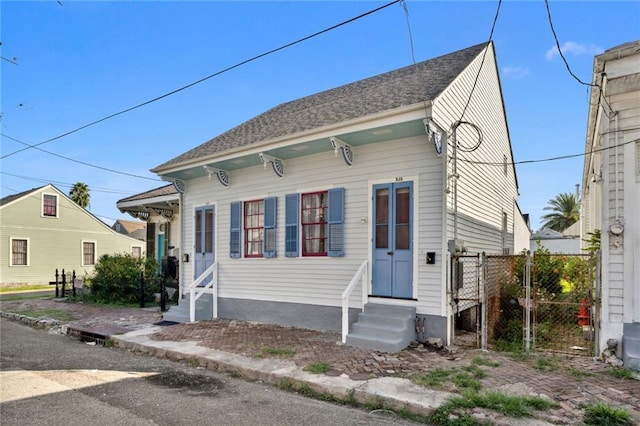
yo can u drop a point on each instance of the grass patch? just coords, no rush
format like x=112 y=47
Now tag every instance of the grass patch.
x=376 y=403
x=476 y=371
x=24 y=296
x=601 y=414
x=25 y=288
x=484 y=361
x=435 y=377
x=278 y=352
x=544 y=363
x=514 y=406
x=465 y=381
x=622 y=373
x=318 y=368
x=444 y=416
x=48 y=313
x=578 y=374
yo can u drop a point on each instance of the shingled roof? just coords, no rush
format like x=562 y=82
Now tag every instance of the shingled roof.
x=156 y=192
x=13 y=197
x=402 y=87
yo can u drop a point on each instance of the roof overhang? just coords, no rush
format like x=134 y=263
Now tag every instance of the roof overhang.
x=396 y=124
x=165 y=205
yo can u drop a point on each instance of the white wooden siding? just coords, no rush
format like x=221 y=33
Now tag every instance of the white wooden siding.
x=321 y=280
x=484 y=191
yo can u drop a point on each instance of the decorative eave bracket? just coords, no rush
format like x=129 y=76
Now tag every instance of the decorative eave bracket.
x=179 y=186
x=276 y=163
x=347 y=151
x=435 y=134
x=222 y=175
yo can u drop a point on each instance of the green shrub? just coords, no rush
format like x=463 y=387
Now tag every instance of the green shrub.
x=116 y=279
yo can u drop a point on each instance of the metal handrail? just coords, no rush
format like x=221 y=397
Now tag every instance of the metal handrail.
x=362 y=274
x=196 y=291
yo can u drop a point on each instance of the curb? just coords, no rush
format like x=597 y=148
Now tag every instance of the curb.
x=392 y=393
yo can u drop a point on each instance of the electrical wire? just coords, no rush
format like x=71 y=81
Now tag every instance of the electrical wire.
x=78 y=161
x=561 y=157
x=566 y=63
x=239 y=64
x=69 y=185
x=475 y=82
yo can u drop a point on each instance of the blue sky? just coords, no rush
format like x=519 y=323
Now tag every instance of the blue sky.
x=81 y=61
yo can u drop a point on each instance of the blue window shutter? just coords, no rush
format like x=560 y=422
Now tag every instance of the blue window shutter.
x=292 y=208
x=270 y=219
x=336 y=222
x=234 y=239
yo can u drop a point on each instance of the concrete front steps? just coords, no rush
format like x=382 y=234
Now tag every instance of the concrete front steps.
x=631 y=346
x=383 y=328
x=180 y=312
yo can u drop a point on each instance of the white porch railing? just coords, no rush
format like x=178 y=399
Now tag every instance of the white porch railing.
x=196 y=290
x=361 y=274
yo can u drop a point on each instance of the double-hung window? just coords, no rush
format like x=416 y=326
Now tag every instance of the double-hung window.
x=320 y=216
x=19 y=252
x=253 y=222
x=49 y=205
x=314 y=223
x=88 y=253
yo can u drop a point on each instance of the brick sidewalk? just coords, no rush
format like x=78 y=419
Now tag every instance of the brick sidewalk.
x=572 y=382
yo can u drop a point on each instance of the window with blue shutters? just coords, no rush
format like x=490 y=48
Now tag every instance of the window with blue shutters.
x=292 y=202
x=321 y=221
x=259 y=218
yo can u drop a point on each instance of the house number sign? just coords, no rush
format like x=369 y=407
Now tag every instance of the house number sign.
x=399 y=179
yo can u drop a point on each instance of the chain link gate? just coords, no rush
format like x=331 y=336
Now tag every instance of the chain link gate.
x=466 y=291
x=547 y=302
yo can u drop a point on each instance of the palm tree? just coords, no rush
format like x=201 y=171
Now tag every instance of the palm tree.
x=80 y=194
x=565 y=211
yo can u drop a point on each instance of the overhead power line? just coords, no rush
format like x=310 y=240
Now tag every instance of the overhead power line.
x=67 y=184
x=173 y=92
x=80 y=162
x=561 y=157
x=484 y=54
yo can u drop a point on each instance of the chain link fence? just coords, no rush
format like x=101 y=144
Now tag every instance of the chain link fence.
x=544 y=301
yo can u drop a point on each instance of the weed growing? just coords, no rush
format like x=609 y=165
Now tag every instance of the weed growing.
x=278 y=352
x=622 y=373
x=318 y=368
x=55 y=314
x=602 y=414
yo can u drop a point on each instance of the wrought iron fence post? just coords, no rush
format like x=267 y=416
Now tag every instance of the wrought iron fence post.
x=142 y=289
x=596 y=305
x=64 y=282
x=527 y=280
x=163 y=298
x=57 y=291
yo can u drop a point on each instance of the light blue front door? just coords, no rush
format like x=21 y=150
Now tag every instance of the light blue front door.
x=204 y=255
x=393 y=240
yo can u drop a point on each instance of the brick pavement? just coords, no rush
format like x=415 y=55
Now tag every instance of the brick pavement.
x=572 y=381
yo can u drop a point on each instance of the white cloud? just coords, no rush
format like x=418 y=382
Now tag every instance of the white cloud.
x=515 y=72
x=575 y=49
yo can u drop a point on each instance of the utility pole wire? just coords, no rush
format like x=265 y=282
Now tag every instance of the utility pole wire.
x=78 y=161
x=173 y=92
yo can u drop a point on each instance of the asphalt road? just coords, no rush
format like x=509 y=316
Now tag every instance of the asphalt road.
x=49 y=379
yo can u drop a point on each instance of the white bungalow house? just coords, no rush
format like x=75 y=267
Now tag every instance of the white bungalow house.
x=339 y=209
x=611 y=192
